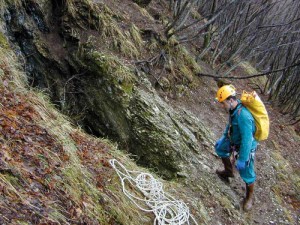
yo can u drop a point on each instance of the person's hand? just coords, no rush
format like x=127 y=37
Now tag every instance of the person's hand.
x=219 y=142
x=240 y=165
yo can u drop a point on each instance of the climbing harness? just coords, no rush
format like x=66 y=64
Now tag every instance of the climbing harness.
x=167 y=210
x=235 y=154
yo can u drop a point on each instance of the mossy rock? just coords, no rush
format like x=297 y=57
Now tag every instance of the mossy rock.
x=113 y=71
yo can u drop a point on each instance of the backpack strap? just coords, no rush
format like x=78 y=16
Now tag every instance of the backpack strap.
x=239 y=113
x=230 y=120
x=230 y=127
x=239 y=110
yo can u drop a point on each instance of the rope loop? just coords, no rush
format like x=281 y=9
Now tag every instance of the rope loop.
x=167 y=210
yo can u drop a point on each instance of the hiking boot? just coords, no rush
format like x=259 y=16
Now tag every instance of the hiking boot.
x=248 y=201
x=228 y=170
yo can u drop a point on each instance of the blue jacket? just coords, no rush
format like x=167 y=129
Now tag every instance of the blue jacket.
x=243 y=129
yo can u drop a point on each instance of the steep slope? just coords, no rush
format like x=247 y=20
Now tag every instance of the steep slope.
x=88 y=59
x=53 y=173
x=92 y=79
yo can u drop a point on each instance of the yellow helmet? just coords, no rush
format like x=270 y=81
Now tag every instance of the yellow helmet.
x=225 y=91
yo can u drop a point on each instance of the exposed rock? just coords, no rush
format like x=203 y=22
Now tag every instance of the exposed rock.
x=100 y=92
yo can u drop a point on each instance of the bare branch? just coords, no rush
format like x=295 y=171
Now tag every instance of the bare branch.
x=247 y=77
x=278 y=25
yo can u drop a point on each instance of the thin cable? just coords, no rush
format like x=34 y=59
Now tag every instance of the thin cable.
x=167 y=210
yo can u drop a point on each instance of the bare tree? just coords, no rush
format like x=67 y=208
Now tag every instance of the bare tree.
x=265 y=33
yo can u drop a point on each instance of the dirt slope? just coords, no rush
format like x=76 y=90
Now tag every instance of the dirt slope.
x=277 y=187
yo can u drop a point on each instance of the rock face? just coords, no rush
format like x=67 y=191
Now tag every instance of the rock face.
x=101 y=93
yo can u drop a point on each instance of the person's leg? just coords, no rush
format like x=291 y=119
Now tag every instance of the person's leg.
x=248 y=201
x=228 y=169
x=223 y=151
x=248 y=175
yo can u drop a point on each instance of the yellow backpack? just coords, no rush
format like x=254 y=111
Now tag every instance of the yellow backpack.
x=258 y=110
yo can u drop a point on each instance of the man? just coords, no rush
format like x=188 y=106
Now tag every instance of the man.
x=238 y=138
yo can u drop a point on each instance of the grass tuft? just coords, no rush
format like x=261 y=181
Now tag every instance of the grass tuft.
x=183 y=62
x=136 y=36
x=119 y=40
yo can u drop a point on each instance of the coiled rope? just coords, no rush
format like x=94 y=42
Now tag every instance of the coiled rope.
x=167 y=210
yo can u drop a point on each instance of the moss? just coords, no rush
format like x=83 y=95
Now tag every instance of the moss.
x=224 y=201
x=77 y=181
x=181 y=90
x=127 y=88
x=281 y=163
x=41 y=48
x=114 y=70
x=278 y=197
x=3 y=41
x=286 y=177
x=108 y=93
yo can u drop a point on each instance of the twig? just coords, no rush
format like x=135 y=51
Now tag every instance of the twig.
x=65 y=85
x=278 y=25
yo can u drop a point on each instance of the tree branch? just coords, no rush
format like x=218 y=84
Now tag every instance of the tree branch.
x=247 y=77
x=278 y=25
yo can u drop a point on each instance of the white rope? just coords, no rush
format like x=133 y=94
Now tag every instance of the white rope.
x=167 y=210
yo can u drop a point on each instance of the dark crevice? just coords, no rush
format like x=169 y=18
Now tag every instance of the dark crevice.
x=33 y=9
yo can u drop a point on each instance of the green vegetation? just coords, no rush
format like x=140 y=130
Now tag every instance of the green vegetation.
x=3 y=41
x=136 y=36
x=182 y=61
x=112 y=68
x=145 y=13
x=73 y=9
x=118 y=39
x=287 y=180
x=10 y=2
